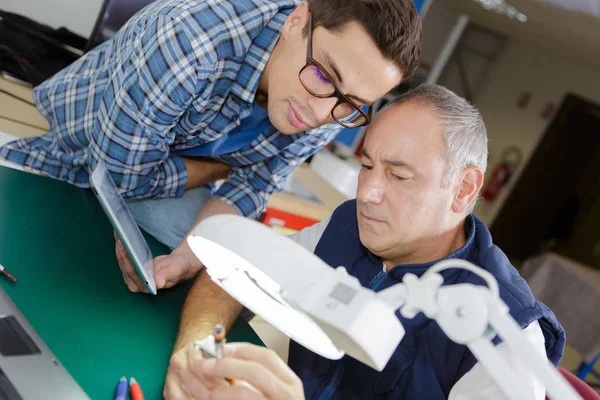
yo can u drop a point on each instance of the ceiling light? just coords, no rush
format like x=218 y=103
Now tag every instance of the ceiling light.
x=502 y=7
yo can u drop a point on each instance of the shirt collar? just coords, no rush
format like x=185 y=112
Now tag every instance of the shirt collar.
x=248 y=78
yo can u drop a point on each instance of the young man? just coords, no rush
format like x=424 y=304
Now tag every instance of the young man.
x=189 y=92
x=423 y=163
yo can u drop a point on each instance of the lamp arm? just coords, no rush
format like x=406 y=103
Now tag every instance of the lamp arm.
x=510 y=332
x=473 y=315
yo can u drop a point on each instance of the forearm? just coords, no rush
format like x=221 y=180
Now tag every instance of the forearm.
x=201 y=171
x=206 y=304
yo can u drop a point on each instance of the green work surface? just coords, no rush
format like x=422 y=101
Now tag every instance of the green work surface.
x=56 y=240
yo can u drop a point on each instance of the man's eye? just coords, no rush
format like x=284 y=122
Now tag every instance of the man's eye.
x=399 y=178
x=321 y=76
x=366 y=167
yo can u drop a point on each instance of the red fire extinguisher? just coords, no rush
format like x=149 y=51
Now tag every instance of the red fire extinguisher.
x=511 y=158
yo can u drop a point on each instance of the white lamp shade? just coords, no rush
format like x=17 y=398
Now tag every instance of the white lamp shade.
x=231 y=247
x=322 y=308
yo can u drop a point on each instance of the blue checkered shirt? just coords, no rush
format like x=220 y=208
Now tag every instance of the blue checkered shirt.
x=179 y=74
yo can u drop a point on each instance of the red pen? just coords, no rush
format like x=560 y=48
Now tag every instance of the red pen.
x=135 y=390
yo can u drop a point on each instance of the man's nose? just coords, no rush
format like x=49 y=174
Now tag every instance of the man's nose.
x=370 y=189
x=321 y=108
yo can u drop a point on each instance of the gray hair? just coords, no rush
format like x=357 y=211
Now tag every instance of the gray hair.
x=465 y=132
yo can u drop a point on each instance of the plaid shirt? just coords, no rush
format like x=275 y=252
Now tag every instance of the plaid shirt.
x=179 y=74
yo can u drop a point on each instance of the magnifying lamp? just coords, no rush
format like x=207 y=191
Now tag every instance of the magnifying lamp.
x=329 y=312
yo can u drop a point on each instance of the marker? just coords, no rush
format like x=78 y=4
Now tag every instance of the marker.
x=121 y=389
x=135 y=390
x=7 y=274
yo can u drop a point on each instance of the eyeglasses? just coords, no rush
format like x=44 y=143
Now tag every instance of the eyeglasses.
x=318 y=82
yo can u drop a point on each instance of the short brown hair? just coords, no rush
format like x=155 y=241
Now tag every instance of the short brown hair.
x=394 y=25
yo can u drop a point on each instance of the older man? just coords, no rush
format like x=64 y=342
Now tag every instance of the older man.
x=422 y=169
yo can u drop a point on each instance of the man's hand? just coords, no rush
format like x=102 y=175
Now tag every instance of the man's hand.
x=180 y=265
x=169 y=270
x=258 y=374
x=185 y=377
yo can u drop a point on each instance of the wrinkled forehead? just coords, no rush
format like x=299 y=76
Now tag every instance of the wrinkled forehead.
x=409 y=132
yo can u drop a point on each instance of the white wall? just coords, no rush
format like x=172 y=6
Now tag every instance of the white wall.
x=549 y=77
x=437 y=25
x=78 y=16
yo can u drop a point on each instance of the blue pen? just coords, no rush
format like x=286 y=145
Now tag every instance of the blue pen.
x=122 y=390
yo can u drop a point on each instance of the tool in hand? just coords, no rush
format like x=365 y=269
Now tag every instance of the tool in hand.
x=212 y=346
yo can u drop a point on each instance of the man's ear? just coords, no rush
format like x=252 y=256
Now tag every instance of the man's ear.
x=296 y=21
x=469 y=185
